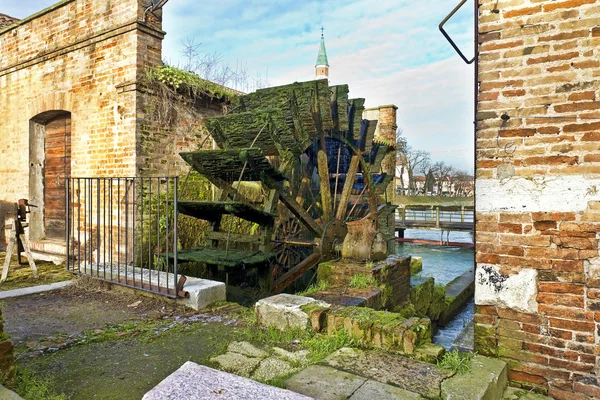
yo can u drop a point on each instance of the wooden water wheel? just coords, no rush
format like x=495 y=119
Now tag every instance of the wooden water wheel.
x=318 y=167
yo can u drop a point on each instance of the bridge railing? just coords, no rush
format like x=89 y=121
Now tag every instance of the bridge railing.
x=435 y=216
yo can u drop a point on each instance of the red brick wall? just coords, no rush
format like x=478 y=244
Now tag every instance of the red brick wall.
x=538 y=215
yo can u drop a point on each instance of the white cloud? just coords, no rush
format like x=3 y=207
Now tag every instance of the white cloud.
x=389 y=51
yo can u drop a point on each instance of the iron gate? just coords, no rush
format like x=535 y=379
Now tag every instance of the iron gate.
x=124 y=230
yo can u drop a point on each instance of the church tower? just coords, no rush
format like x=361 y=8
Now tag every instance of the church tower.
x=322 y=66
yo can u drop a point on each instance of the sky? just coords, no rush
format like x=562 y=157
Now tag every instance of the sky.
x=387 y=51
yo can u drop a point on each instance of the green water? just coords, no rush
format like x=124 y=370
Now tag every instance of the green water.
x=443 y=263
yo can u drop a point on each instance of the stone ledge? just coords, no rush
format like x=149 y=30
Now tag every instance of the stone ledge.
x=193 y=381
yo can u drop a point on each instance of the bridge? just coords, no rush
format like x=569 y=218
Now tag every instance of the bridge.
x=443 y=218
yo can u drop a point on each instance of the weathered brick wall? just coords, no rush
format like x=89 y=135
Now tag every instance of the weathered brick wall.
x=161 y=141
x=538 y=265
x=82 y=57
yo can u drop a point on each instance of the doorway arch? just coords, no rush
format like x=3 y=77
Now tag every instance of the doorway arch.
x=49 y=166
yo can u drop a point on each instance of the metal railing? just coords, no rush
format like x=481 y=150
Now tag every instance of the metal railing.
x=435 y=217
x=124 y=230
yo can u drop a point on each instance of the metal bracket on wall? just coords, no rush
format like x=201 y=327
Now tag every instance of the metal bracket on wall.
x=449 y=39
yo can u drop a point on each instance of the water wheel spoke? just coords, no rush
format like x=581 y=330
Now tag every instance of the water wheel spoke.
x=286 y=279
x=346 y=191
x=325 y=187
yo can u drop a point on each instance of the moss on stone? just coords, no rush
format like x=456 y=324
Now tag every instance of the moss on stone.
x=485 y=341
x=406 y=310
x=386 y=295
x=324 y=271
x=420 y=296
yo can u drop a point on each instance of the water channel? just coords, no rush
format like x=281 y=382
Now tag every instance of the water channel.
x=443 y=263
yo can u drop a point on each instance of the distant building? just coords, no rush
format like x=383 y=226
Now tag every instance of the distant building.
x=322 y=65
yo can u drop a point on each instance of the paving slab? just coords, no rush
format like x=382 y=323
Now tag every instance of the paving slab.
x=486 y=381
x=325 y=383
x=272 y=367
x=246 y=349
x=193 y=381
x=412 y=375
x=236 y=363
x=372 y=390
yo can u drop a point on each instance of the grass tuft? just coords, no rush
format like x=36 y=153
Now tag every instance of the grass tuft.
x=322 y=285
x=362 y=281
x=32 y=387
x=456 y=361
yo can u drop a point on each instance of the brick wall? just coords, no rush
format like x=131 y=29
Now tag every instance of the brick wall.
x=82 y=57
x=538 y=180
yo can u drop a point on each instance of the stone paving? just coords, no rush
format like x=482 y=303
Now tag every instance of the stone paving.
x=244 y=359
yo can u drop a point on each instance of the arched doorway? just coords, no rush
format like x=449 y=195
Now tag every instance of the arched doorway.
x=50 y=164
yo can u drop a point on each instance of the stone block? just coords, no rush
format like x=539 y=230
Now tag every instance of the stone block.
x=486 y=381
x=285 y=311
x=429 y=352
x=203 y=292
x=193 y=381
x=416 y=265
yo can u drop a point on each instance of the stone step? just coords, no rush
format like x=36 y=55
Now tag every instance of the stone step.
x=405 y=373
x=327 y=383
x=487 y=380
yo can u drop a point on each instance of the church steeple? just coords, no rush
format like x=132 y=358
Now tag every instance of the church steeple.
x=322 y=65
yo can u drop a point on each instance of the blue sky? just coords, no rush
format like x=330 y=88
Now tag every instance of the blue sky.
x=387 y=51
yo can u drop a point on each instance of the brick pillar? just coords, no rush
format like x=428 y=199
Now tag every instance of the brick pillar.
x=537 y=193
x=387 y=132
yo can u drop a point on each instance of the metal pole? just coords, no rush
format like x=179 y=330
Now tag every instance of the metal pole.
x=175 y=220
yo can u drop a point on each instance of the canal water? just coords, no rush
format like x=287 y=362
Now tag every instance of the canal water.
x=443 y=263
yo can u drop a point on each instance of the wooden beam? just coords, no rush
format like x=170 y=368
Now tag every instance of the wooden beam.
x=342 y=207
x=289 y=277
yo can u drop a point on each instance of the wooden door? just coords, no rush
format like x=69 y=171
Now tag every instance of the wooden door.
x=57 y=166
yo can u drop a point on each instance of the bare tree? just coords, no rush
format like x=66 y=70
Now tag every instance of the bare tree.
x=210 y=66
x=442 y=173
x=462 y=182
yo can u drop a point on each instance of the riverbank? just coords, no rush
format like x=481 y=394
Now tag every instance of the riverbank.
x=433 y=200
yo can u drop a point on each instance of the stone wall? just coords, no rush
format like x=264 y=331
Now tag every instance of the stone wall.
x=538 y=179
x=160 y=142
x=386 y=131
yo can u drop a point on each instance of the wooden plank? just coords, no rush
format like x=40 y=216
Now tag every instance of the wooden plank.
x=234 y=237
x=348 y=184
x=228 y=165
x=324 y=183
x=210 y=210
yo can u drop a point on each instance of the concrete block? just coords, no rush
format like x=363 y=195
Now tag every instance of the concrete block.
x=285 y=311
x=486 y=381
x=203 y=292
x=193 y=381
